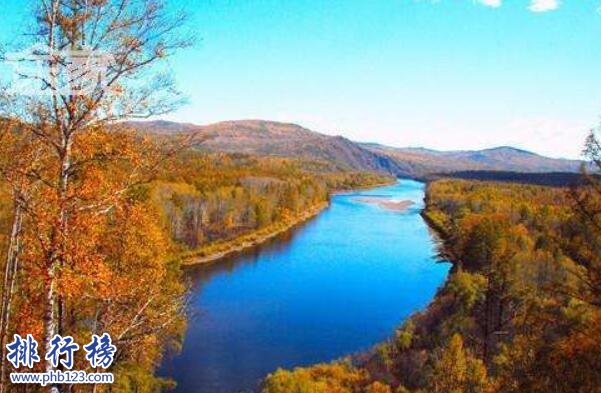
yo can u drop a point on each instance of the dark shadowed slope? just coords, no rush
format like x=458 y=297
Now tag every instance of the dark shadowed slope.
x=551 y=179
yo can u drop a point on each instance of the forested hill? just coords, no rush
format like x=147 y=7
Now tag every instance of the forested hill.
x=261 y=137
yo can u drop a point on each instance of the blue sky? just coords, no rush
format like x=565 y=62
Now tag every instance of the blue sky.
x=446 y=74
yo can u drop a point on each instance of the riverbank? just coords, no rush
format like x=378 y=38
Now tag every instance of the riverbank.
x=221 y=249
x=215 y=251
x=438 y=229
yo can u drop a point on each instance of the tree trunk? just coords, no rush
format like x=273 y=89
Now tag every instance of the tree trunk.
x=8 y=287
x=50 y=324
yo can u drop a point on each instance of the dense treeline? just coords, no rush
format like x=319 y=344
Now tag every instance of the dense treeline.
x=554 y=179
x=520 y=311
x=211 y=197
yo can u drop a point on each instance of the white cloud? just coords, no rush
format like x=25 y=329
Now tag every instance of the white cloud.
x=543 y=5
x=491 y=3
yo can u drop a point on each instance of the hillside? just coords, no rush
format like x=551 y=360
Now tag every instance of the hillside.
x=289 y=140
x=502 y=158
x=280 y=139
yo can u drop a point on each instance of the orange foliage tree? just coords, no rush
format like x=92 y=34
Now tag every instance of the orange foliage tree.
x=84 y=255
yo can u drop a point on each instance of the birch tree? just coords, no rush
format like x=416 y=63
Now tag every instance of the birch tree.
x=75 y=139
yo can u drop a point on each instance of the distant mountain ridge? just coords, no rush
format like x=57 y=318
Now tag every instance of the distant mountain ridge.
x=263 y=137
x=503 y=158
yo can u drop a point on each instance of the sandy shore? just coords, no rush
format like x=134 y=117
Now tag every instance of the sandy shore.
x=389 y=204
x=226 y=248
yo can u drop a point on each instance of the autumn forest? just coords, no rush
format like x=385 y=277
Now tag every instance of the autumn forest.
x=102 y=216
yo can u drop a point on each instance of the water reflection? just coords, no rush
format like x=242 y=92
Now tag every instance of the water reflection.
x=197 y=275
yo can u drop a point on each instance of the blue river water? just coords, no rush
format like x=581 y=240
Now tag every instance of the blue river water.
x=334 y=286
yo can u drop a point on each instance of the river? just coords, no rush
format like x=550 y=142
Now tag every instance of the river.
x=334 y=286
